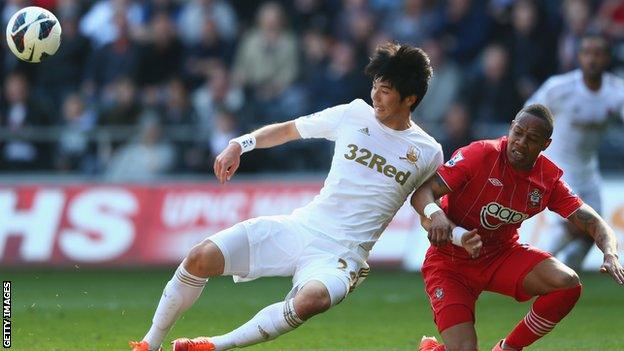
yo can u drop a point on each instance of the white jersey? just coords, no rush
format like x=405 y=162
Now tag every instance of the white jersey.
x=581 y=116
x=374 y=169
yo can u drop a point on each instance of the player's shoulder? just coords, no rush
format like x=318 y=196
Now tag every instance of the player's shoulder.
x=549 y=168
x=614 y=83
x=359 y=105
x=563 y=81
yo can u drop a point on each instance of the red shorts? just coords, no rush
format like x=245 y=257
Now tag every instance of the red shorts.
x=453 y=285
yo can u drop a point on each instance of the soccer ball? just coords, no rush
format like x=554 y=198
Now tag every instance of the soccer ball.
x=33 y=34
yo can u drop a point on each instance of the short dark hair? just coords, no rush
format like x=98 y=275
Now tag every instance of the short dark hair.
x=405 y=67
x=599 y=36
x=542 y=112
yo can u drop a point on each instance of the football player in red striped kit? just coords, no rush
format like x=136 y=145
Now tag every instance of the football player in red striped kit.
x=493 y=186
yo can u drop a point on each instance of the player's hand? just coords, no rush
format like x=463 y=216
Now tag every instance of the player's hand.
x=612 y=265
x=226 y=164
x=471 y=241
x=440 y=232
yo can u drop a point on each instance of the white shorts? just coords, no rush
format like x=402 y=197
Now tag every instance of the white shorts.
x=280 y=246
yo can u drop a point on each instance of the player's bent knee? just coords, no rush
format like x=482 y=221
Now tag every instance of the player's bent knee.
x=566 y=279
x=205 y=260
x=312 y=299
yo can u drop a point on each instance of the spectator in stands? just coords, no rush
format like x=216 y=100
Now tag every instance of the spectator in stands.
x=529 y=44
x=211 y=50
x=411 y=23
x=121 y=108
x=463 y=26
x=99 y=23
x=491 y=93
x=216 y=94
x=443 y=87
x=178 y=109
x=611 y=19
x=266 y=63
x=145 y=158
x=160 y=58
x=63 y=72
x=19 y=111
x=577 y=21
x=195 y=13
x=112 y=61
x=340 y=80
x=74 y=151
x=457 y=129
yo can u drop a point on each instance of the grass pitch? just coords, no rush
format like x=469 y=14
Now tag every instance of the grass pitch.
x=102 y=310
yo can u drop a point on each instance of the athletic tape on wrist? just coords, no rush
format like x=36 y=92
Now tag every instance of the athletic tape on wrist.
x=458 y=232
x=430 y=209
x=247 y=142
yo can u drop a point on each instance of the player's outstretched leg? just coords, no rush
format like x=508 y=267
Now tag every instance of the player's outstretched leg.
x=558 y=288
x=271 y=322
x=203 y=261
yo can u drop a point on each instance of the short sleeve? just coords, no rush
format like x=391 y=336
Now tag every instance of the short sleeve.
x=542 y=95
x=323 y=124
x=462 y=166
x=563 y=200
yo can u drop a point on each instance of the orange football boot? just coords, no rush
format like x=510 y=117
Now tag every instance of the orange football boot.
x=197 y=344
x=499 y=346
x=428 y=343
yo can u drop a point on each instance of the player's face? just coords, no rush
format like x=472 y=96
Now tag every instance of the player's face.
x=527 y=138
x=593 y=57
x=387 y=102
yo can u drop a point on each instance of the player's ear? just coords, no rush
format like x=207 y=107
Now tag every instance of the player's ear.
x=546 y=144
x=410 y=100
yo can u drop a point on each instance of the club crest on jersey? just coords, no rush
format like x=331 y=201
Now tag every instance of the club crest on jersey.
x=411 y=155
x=453 y=161
x=438 y=293
x=535 y=198
x=505 y=215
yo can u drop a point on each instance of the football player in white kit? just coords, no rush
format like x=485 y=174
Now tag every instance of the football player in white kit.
x=582 y=102
x=380 y=157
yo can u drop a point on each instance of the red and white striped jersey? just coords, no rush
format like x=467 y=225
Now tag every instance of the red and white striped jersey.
x=489 y=194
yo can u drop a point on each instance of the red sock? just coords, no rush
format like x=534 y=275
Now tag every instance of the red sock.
x=545 y=313
x=439 y=348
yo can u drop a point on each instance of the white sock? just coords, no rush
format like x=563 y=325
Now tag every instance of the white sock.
x=179 y=294
x=271 y=322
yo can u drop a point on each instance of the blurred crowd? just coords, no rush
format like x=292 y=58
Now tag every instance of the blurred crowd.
x=141 y=88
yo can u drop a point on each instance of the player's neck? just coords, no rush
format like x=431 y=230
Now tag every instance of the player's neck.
x=398 y=122
x=592 y=83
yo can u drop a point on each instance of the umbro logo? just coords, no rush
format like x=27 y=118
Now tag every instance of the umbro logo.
x=364 y=131
x=495 y=182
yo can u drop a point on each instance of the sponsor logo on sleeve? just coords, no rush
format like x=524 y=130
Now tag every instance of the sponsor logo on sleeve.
x=453 y=161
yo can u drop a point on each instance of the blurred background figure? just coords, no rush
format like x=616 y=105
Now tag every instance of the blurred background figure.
x=20 y=111
x=145 y=158
x=75 y=153
x=266 y=64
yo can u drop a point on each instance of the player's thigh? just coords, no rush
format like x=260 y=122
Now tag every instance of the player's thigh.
x=266 y=246
x=339 y=272
x=549 y=275
x=451 y=299
x=460 y=337
x=508 y=279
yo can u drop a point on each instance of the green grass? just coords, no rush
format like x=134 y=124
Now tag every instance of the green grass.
x=102 y=310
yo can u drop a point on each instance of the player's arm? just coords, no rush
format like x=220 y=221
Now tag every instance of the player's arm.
x=589 y=221
x=424 y=202
x=227 y=162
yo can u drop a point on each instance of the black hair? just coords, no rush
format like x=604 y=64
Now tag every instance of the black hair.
x=405 y=67
x=542 y=112
x=599 y=36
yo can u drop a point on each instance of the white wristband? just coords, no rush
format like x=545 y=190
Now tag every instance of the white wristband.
x=430 y=209
x=458 y=232
x=247 y=142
